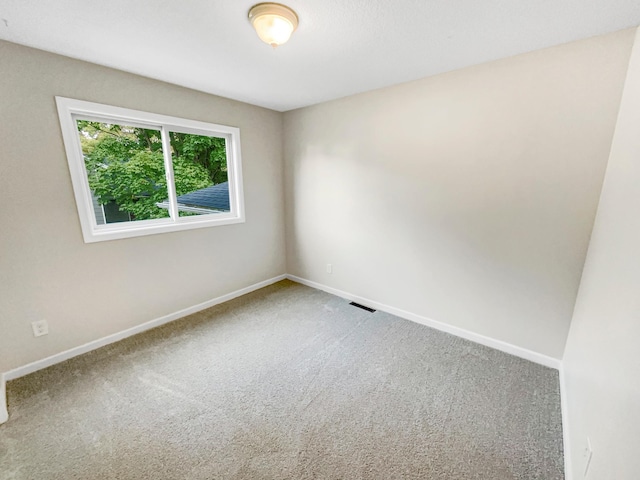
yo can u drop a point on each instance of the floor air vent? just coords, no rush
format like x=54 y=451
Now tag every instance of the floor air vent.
x=362 y=307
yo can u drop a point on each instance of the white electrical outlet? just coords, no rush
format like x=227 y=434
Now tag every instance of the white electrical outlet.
x=41 y=327
x=329 y=268
x=588 y=453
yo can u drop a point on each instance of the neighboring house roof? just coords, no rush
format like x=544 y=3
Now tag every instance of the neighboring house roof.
x=215 y=197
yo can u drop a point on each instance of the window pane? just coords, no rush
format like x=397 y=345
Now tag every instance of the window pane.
x=200 y=172
x=125 y=169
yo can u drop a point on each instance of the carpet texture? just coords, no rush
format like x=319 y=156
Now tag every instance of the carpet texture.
x=286 y=383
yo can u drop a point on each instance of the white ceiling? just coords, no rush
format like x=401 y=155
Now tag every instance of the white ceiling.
x=341 y=47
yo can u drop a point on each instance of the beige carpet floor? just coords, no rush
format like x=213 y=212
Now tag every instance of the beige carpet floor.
x=286 y=383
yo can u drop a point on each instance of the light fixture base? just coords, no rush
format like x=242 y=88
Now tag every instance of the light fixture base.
x=274 y=22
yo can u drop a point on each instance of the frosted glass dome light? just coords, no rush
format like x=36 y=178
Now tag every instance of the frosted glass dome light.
x=273 y=22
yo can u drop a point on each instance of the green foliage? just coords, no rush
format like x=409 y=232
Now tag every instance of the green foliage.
x=189 y=176
x=135 y=184
x=210 y=152
x=125 y=165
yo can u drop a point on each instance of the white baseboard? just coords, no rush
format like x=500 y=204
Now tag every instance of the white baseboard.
x=4 y=414
x=93 y=345
x=564 y=408
x=444 y=327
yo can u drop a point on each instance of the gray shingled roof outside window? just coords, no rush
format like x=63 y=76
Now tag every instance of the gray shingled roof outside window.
x=215 y=197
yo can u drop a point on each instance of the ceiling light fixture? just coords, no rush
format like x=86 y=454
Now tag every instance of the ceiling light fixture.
x=273 y=22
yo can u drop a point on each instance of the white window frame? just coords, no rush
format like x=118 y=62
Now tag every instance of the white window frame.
x=70 y=110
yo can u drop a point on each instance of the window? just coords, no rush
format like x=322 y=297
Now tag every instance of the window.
x=136 y=173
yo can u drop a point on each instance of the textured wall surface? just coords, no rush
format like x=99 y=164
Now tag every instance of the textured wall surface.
x=602 y=358
x=87 y=291
x=468 y=197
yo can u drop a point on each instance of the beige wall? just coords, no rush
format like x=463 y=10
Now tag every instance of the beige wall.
x=87 y=291
x=602 y=359
x=467 y=197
